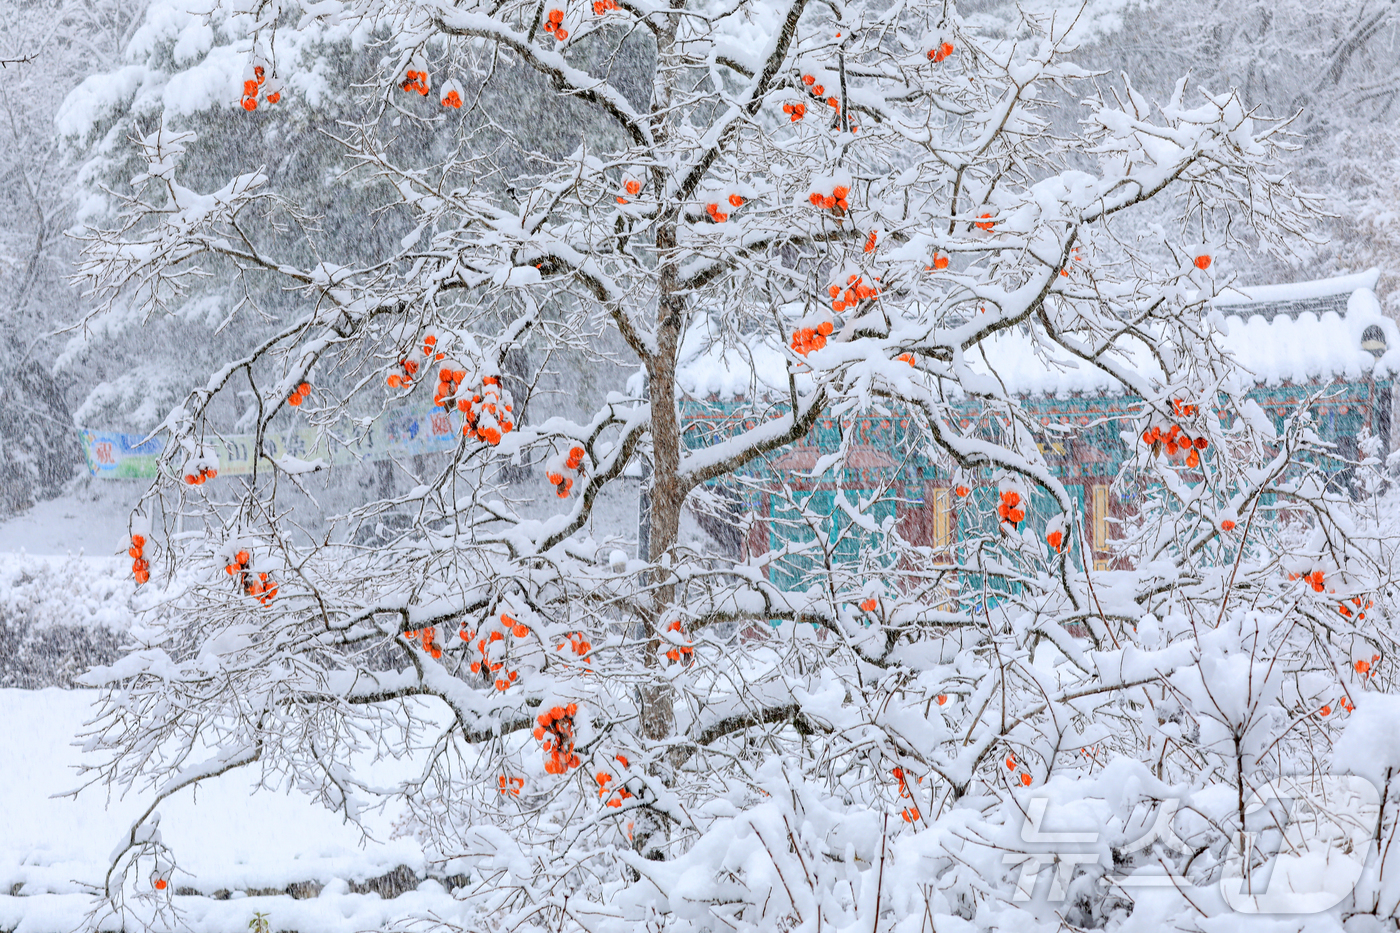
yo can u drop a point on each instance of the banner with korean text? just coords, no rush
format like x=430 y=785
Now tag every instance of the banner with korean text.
x=398 y=432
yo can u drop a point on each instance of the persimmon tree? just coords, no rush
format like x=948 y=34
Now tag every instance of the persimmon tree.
x=858 y=208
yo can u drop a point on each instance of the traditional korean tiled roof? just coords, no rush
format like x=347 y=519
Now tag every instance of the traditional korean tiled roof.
x=1301 y=332
x=1310 y=331
x=1293 y=299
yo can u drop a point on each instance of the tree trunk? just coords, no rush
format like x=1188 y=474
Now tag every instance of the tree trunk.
x=667 y=491
x=658 y=713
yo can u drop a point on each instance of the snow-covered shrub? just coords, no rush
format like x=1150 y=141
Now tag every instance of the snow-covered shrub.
x=58 y=618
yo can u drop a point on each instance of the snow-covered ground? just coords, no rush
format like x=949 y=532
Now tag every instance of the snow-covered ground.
x=61 y=566
x=90 y=519
x=228 y=837
x=57 y=568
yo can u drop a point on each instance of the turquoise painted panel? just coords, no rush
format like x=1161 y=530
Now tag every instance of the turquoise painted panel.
x=883 y=454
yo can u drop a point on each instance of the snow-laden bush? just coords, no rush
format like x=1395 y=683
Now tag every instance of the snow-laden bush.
x=848 y=209
x=60 y=617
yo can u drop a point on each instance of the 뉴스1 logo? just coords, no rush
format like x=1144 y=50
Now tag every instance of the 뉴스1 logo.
x=1323 y=824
